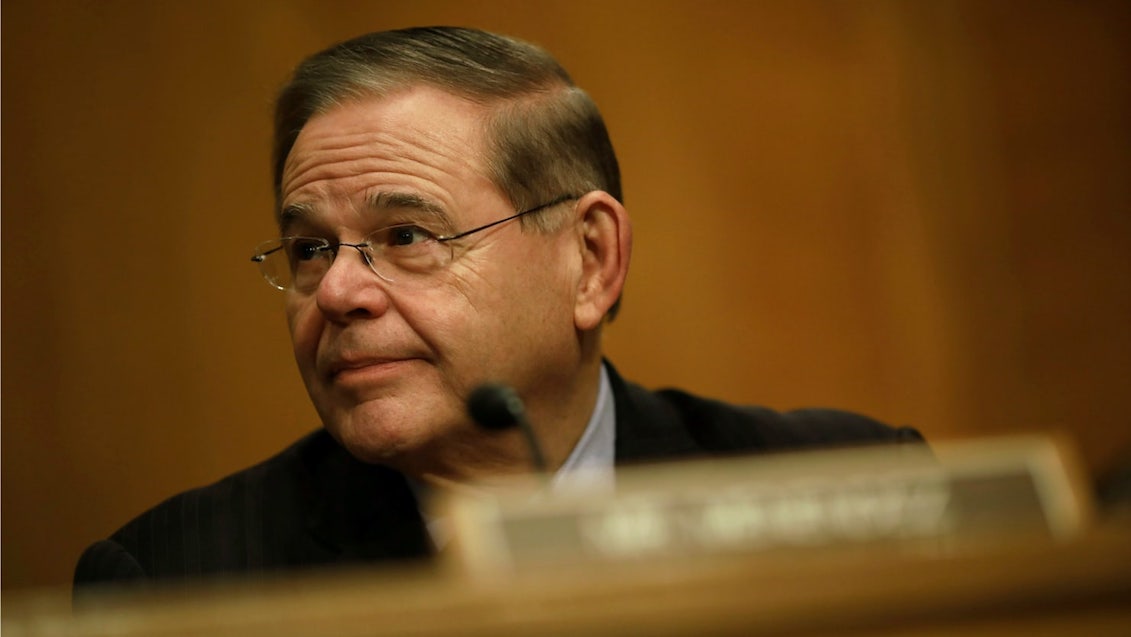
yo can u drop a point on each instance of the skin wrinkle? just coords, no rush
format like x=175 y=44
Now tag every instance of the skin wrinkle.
x=507 y=293
x=386 y=200
x=302 y=174
x=466 y=280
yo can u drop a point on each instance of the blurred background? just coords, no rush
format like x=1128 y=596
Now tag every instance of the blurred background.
x=916 y=210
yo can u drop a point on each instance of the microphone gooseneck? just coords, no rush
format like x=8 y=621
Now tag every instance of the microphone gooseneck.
x=497 y=407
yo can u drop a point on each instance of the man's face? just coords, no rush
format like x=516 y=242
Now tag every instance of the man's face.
x=389 y=368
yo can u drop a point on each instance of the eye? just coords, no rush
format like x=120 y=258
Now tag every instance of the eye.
x=303 y=249
x=403 y=235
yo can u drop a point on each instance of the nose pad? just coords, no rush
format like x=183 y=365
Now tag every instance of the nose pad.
x=366 y=258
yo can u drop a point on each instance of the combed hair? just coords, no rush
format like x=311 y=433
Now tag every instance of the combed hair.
x=544 y=136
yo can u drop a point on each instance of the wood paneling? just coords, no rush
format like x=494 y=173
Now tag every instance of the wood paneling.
x=920 y=211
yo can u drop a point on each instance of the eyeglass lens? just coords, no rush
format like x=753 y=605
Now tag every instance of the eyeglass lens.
x=405 y=254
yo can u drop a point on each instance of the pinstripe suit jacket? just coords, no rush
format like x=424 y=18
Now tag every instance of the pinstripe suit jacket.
x=315 y=505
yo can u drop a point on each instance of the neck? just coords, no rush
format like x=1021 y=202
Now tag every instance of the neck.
x=558 y=416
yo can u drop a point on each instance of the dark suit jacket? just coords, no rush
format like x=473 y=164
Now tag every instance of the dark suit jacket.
x=314 y=504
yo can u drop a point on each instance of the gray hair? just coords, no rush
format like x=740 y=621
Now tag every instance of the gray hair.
x=544 y=136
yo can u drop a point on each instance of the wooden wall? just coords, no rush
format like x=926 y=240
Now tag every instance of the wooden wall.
x=917 y=210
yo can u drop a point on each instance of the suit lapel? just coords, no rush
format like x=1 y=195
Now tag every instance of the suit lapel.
x=363 y=512
x=647 y=427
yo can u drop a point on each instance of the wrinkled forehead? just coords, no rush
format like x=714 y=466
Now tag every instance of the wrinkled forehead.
x=418 y=140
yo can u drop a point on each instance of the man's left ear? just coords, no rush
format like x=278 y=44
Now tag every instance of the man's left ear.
x=605 y=234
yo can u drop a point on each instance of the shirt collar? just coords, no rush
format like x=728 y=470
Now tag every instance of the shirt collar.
x=590 y=464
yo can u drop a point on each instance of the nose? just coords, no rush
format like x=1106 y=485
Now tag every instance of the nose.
x=351 y=288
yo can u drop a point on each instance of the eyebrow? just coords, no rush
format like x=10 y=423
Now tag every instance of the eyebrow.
x=382 y=201
x=292 y=213
x=386 y=200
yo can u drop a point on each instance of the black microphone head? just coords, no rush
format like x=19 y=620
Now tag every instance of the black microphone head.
x=495 y=406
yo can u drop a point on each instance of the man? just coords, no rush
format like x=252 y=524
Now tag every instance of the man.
x=450 y=213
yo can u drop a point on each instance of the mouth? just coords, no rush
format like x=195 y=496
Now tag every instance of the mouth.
x=369 y=371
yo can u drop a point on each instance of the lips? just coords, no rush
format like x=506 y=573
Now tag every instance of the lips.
x=347 y=366
x=361 y=372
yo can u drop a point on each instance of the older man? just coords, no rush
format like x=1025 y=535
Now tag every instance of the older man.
x=450 y=213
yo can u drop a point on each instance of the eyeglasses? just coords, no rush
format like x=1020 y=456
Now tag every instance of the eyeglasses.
x=406 y=253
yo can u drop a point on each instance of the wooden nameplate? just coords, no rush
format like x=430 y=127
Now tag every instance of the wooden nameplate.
x=910 y=496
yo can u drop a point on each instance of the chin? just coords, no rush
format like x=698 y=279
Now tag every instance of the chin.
x=373 y=444
x=376 y=436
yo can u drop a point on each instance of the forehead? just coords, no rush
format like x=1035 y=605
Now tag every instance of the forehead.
x=418 y=140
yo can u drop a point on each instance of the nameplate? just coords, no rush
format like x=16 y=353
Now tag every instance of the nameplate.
x=906 y=494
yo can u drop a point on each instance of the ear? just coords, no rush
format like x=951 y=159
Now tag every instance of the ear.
x=605 y=235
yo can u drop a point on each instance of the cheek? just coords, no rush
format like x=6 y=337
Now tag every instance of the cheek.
x=445 y=318
x=532 y=301
x=305 y=327
x=546 y=279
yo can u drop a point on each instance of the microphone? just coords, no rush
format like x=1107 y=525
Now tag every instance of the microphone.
x=497 y=407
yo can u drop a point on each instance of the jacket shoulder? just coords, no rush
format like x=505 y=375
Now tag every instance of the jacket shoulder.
x=722 y=426
x=222 y=527
x=676 y=423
